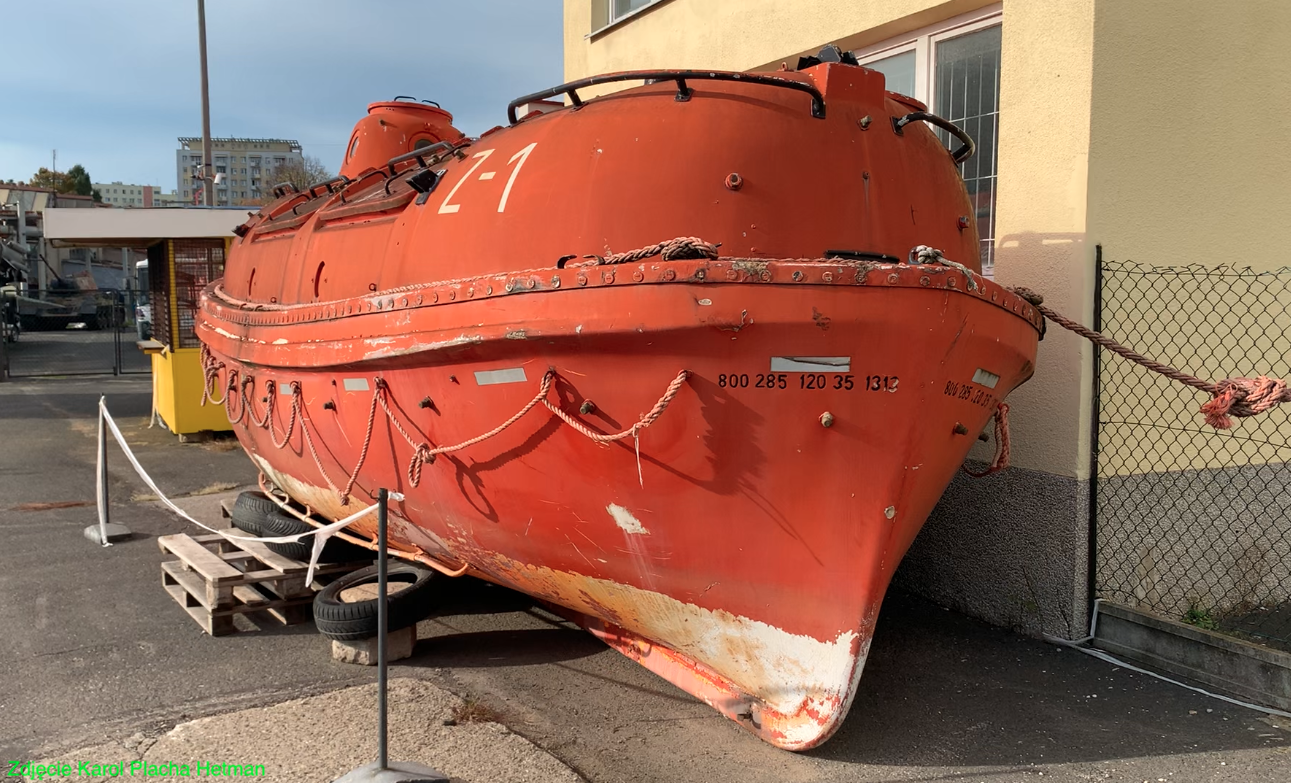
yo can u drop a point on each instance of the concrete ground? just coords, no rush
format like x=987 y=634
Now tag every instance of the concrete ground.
x=96 y=652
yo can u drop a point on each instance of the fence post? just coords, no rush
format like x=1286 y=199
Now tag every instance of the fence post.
x=1092 y=543
x=4 y=340
x=116 y=334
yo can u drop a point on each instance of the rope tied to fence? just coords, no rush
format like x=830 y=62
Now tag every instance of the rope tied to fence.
x=1240 y=397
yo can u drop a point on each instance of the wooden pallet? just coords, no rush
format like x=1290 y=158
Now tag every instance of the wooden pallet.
x=216 y=579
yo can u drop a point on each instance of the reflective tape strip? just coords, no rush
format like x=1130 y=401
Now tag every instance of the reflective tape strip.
x=491 y=377
x=985 y=378
x=811 y=364
x=355 y=384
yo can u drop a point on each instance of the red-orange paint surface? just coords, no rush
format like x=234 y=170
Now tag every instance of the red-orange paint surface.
x=737 y=546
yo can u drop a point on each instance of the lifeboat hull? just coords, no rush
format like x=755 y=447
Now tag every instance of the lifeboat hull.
x=736 y=545
x=714 y=463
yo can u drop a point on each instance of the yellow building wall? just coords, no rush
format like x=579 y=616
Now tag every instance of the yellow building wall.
x=1045 y=99
x=1041 y=208
x=1188 y=155
x=743 y=35
x=1188 y=165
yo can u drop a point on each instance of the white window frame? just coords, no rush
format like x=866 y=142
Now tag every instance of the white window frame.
x=923 y=43
x=604 y=19
x=609 y=10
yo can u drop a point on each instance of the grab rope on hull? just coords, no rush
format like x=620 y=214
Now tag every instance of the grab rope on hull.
x=423 y=452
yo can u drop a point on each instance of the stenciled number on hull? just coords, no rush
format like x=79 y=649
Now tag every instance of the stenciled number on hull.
x=449 y=208
x=809 y=381
x=969 y=393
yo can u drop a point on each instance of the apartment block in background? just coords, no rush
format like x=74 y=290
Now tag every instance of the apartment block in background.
x=247 y=166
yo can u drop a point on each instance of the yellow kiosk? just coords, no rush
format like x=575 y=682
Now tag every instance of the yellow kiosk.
x=186 y=250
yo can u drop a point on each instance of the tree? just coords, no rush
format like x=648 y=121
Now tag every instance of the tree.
x=48 y=179
x=78 y=181
x=75 y=180
x=301 y=174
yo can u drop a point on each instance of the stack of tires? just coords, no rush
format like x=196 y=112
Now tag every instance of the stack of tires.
x=346 y=609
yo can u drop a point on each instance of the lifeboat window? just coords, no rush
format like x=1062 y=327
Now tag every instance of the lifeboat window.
x=354 y=147
x=422 y=143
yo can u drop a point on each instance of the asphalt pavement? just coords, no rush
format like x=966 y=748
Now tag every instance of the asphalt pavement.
x=96 y=651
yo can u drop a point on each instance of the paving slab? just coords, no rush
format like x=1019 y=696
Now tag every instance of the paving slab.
x=320 y=738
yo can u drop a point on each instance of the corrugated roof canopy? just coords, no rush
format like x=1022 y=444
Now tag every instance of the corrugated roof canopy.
x=137 y=227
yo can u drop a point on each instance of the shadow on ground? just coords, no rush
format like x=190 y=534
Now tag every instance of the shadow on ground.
x=97 y=648
x=939 y=691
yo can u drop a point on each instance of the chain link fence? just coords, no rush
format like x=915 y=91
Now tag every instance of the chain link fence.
x=71 y=332
x=1193 y=523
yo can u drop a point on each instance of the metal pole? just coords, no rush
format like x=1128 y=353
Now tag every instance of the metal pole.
x=382 y=622
x=103 y=477
x=5 y=327
x=208 y=196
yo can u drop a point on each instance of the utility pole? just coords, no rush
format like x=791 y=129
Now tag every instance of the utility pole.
x=208 y=179
x=54 y=162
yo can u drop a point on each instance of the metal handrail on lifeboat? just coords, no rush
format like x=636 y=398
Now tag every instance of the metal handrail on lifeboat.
x=960 y=155
x=684 y=92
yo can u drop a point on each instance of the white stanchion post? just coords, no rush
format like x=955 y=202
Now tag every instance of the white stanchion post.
x=105 y=532
x=102 y=480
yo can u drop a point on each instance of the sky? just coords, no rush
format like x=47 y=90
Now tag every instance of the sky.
x=111 y=84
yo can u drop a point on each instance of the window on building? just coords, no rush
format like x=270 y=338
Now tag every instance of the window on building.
x=955 y=69
x=621 y=8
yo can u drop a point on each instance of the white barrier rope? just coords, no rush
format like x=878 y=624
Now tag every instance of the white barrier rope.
x=321 y=533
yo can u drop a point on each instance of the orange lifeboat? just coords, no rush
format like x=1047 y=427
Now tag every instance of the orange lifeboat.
x=712 y=451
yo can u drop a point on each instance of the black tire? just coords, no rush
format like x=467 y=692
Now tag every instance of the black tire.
x=249 y=509
x=278 y=523
x=410 y=601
